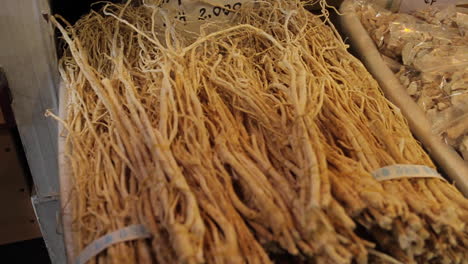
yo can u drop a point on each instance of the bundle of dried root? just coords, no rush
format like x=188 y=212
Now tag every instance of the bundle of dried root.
x=252 y=141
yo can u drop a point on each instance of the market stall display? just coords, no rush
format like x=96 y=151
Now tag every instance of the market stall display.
x=262 y=138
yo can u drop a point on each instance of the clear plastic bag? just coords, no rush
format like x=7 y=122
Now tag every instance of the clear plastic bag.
x=431 y=49
x=452 y=125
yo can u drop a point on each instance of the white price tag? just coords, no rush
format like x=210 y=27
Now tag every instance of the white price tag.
x=189 y=15
x=413 y=5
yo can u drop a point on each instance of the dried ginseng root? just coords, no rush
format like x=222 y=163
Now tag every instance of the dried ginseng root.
x=367 y=133
x=158 y=128
x=413 y=212
x=254 y=141
x=277 y=149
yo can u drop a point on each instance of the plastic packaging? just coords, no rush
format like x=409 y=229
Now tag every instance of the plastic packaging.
x=431 y=49
x=452 y=124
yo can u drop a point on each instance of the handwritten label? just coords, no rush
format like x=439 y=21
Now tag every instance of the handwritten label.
x=190 y=15
x=400 y=171
x=413 y=5
x=216 y=11
x=125 y=234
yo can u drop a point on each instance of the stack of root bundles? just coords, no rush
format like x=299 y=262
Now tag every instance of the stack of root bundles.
x=251 y=142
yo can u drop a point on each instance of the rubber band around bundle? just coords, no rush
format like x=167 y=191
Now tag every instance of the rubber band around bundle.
x=401 y=171
x=132 y=232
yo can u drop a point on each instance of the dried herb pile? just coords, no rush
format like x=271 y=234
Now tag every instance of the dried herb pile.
x=254 y=141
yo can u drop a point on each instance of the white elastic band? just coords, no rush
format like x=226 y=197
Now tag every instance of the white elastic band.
x=400 y=171
x=125 y=234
